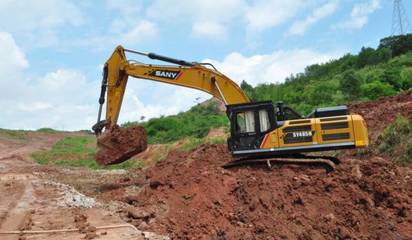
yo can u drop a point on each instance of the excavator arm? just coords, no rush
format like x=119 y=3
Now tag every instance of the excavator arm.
x=192 y=75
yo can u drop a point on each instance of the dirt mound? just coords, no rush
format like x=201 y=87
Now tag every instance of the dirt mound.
x=119 y=144
x=189 y=196
x=378 y=114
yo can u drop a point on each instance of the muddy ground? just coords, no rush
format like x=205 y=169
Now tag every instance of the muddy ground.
x=189 y=195
x=29 y=200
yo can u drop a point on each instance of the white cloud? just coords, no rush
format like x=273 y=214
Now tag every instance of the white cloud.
x=61 y=99
x=169 y=100
x=208 y=17
x=271 y=68
x=141 y=31
x=128 y=7
x=15 y=59
x=211 y=18
x=300 y=27
x=263 y=14
x=216 y=10
x=37 y=22
x=208 y=29
x=58 y=99
x=360 y=14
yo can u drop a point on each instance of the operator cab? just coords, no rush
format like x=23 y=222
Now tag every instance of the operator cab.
x=249 y=123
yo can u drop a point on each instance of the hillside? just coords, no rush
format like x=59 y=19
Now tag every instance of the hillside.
x=368 y=75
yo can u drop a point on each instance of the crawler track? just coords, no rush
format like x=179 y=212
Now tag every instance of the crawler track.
x=327 y=162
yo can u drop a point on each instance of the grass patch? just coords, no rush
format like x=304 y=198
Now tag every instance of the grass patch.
x=76 y=151
x=159 y=156
x=13 y=134
x=191 y=144
x=217 y=140
x=396 y=140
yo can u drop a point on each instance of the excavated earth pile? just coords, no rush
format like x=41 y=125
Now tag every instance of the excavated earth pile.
x=378 y=114
x=119 y=144
x=190 y=196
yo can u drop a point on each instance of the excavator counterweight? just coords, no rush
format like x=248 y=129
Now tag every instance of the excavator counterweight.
x=258 y=130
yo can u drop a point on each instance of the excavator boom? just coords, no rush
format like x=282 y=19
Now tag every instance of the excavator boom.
x=192 y=75
x=258 y=129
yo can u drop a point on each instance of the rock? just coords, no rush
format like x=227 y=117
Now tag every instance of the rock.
x=90 y=235
x=154 y=236
x=137 y=213
x=356 y=171
x=330 y=217
x=143 y=226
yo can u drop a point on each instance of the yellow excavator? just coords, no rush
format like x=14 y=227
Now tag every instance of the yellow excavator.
x=259 y=131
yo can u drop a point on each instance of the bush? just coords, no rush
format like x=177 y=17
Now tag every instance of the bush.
x=377 y=89
x=194 y=123
x=406 y=78
x=350 y=85
x=46 y=130
x=396 y=140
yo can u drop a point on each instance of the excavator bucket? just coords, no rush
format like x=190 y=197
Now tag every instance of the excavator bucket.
x=117 y=144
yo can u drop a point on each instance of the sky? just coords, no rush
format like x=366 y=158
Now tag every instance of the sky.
x=52 y=51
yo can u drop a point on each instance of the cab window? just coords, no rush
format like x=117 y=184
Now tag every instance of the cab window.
x=264 y=120
x=245 y=122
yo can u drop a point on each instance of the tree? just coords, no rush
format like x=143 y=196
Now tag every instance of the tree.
x=370 y=56
x=350 y=85
x=398 y=44
x=365 y=56
x=248 y=89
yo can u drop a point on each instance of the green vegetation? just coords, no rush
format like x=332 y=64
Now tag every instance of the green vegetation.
x=372 y=73
x=192 y=143
x=75 y=151
x=194 y=123
x=396 y=140
x=46 y=130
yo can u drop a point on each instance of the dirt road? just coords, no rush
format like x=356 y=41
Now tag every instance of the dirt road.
x=30 y=202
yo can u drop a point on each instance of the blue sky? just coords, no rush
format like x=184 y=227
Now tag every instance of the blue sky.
x=52 y=51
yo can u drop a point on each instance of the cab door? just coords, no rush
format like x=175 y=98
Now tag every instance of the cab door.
x=250 y=125
x=244 y=130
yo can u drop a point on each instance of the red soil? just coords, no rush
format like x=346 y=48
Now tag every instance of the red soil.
x=190 y=196
x=379 y=113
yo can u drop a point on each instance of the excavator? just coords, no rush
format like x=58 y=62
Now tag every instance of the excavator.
x=259 y=131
